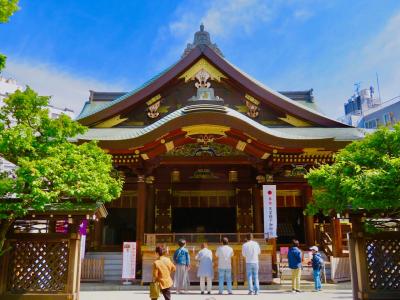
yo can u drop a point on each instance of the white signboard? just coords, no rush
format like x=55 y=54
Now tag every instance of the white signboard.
x=83 y=245
x=270 y=216
x=128 y=260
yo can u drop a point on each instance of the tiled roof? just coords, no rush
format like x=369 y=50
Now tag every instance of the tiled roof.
x=292 y=133
x=91 y=108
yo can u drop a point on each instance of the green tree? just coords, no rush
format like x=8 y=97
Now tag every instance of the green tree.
x=364 y=175
x=7 y=8
x=50 y=168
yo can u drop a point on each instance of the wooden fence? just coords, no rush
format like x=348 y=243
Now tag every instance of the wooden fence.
x=375 y=265
x=92 y=269
x=41 y=266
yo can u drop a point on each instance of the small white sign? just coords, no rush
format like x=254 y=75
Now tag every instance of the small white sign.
x=128 y=260
x=270 y=215
x=83 y=245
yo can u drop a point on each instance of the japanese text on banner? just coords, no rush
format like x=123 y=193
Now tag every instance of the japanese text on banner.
x=270 y=216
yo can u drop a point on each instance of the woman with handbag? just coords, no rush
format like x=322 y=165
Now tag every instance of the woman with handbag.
x=162 y=280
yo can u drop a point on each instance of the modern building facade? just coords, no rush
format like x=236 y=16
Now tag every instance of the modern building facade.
x=385 y=114
x=365 y=110
x=195 y=145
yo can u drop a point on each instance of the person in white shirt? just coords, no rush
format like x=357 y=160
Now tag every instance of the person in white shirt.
x=251 y=251
x=224 y=254
x=205 y=270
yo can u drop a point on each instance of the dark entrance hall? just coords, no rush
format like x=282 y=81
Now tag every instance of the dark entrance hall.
x=201 y=220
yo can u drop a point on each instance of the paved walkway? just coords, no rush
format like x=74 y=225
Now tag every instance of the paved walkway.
x=340 y=291
x=241 y=294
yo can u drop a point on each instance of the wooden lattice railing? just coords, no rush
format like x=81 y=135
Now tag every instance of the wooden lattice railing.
x=383 y=263
x=375 y=261
x=38 y=266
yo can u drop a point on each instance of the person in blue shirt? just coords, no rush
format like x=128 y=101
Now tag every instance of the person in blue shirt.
x=294 y=259
x=317 y=264
x=182 y=262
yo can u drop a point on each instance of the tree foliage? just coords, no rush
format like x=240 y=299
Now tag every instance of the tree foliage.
x=364 y=175
x=7 y=8
x=2 y=61
x=50 y=169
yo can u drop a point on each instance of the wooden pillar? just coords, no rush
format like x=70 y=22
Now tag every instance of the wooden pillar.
x=52 y=226
x=150 y=206
x=309 y=220
x=235 y=268
x=337 y=243
x=97 y=234
x=4 y=263
x=258 y=210
x=356 y=229
x=274 y=257
x=140 y=218
x=74 y=266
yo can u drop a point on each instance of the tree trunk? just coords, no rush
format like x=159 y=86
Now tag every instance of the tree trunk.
x=4 y=227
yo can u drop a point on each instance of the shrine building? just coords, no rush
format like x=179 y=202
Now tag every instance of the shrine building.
x=196 y=143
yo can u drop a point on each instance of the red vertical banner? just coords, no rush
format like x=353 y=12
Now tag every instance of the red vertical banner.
x=129 y=260
x=270 y=214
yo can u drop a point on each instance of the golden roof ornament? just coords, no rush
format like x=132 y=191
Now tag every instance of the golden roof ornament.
x=202 y=76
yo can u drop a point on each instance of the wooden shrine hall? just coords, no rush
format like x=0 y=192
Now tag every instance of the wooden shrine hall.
x=195 y=144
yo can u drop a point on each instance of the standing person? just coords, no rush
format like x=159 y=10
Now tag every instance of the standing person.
x=205 y=270
x=224 y=254
x=251 y=251
x=317 y=263
x=294 y=259
x=182 y=262
x=162 y=269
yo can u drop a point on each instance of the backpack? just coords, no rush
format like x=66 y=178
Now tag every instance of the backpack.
x=317 y=262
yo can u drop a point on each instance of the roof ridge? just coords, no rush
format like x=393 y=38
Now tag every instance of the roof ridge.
x=126 y=95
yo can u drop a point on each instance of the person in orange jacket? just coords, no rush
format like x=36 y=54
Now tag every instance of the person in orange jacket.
x=162 y=269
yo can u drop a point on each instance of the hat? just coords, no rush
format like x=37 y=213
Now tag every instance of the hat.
x=315 y=248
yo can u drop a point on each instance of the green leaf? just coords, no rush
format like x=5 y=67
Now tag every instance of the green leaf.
x=50 y=169
x=364 y=175
x=7 y=9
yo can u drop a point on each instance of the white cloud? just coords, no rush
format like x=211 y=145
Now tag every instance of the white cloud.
x=221 y=18
x=227 y=17
x=303 y=14
x=380 y=55
x=224 y=19
x=67 y=89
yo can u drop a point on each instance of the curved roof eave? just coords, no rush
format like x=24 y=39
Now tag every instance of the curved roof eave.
x=139 y=136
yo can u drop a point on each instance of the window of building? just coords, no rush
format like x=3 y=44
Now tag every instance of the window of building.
x=392 y=118
x=368 y=124
x=386 y=119
x=371 y=124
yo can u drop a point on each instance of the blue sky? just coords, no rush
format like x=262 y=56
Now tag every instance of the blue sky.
x=65 y=48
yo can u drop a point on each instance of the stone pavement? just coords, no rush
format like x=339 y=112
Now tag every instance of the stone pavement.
x=271 y=292
x=241 y=294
